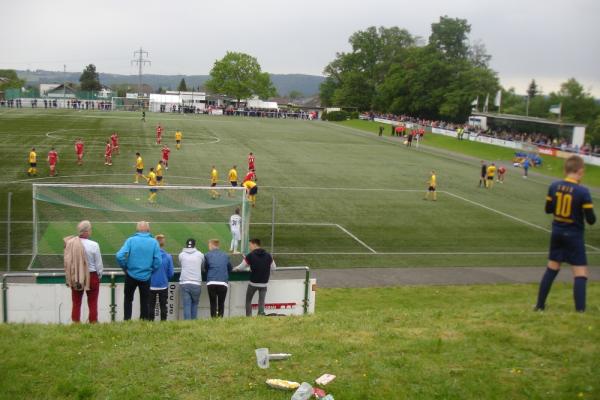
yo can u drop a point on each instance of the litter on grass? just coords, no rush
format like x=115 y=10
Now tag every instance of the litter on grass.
x=262 y=357
x=279 y=356
x=324 y=379
x=282 y=384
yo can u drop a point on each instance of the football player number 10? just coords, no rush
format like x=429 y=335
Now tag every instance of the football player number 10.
x=563 y=204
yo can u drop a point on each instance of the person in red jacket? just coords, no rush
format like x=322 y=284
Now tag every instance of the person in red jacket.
x=52 y=161
x=79 y=151
x=501 y=173
x=251 y=161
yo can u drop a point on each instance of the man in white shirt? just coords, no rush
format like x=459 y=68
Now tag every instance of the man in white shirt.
x=95 y=266
x=235 y=225
x=190 y=280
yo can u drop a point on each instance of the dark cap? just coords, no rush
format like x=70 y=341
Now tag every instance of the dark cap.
x=190 y=243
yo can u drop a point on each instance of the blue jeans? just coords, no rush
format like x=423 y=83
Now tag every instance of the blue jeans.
x=190 y=295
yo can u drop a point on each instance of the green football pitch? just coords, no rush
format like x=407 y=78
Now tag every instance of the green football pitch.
x=343 y=197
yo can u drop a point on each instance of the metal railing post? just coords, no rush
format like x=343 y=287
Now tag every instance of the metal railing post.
x=8 y=230
x=113 y=305
x=306 y=287
x=4 y=298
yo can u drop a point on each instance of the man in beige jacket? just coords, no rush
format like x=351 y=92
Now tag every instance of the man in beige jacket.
x=83 y=270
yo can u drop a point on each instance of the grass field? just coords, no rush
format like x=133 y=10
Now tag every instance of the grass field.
x=344 y=197
x=460 y=342
x=551 y=166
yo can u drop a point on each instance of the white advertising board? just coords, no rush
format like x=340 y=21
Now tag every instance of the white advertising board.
x=51 y=303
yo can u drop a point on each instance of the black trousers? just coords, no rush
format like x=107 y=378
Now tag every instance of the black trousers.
x=262 y=293
x=216 y=296
x=130 y=285
x=162 y=295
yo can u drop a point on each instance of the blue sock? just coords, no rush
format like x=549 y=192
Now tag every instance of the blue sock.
x=545 y=285
x=579 y=293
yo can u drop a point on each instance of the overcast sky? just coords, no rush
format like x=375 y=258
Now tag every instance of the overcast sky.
x=549 y=40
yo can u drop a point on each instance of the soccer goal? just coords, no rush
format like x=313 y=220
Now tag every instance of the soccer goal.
x=178 y=212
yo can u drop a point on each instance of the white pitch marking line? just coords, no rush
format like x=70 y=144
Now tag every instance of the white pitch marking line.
x=355 y=238
x=400 y=253
x=342 y=188
x=507 y=215
x=180 y=222
x=418 y=253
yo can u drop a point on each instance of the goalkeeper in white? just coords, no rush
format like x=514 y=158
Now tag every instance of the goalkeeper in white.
x=235 y=224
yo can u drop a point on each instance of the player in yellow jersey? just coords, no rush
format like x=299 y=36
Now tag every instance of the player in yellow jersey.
x=491 y=173
x=139 y=167
x=432 y=182
x=233 y=177
x=214 y=178
x=32 y=163
x=159 y=171
x=151 y=179
x=178 y=137
x=251 y=190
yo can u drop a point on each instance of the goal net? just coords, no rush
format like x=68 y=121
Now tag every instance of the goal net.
x=178 y=212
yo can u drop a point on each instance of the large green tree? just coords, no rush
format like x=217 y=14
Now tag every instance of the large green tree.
x=352 y=78
x=182 y=86
x=90 y=79
x=388 y=71
x=239 y=75
x=11 y=80
x=450 y=37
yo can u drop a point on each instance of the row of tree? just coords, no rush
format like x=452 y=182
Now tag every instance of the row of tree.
x=390 y=70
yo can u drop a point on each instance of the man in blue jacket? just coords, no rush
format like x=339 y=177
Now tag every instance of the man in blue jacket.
x=139 y=257
x=159 y=282
x=218 y=267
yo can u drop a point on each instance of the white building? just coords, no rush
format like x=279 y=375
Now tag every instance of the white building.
x=47 y=87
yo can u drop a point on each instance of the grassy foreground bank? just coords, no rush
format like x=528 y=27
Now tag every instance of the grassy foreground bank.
x=467 y=342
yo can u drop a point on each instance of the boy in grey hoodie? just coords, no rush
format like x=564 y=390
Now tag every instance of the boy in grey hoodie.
x=190 y=280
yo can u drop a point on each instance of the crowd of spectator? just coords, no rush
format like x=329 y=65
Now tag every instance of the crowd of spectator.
x=74 y=104
x=148 y=269
x=534 y=138
x=239 y=111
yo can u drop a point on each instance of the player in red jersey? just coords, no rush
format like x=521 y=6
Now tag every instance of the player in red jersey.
x=108 y=153
x=165 y=155
x=52 y=161
x=79 y=151
x=501 y=173
x=114 y=138
x=159 y=131
x=250 y=176
x=251 y=161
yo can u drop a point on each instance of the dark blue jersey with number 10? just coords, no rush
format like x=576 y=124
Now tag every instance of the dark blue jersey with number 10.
x=570 y=204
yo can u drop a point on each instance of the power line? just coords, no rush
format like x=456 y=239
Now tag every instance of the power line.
x=140 y=60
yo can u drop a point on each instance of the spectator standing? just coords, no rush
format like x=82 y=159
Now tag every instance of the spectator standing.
x=190 y=280
x=260 y=263
x=218 y=267
x=159 y=282
x=83 y=271
x=139 y=257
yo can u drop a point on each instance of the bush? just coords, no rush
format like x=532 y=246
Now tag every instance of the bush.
x=354 y=115
x=337 y=116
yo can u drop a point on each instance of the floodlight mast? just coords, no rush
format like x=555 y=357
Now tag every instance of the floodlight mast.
x=141 y=60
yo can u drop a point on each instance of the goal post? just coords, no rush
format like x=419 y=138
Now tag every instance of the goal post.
x=177 y=211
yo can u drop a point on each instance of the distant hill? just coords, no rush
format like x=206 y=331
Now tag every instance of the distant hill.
x=284 y=83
